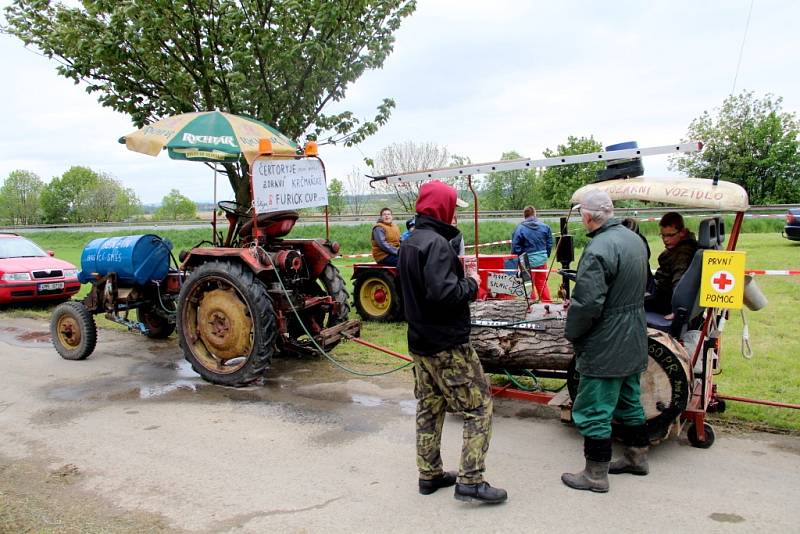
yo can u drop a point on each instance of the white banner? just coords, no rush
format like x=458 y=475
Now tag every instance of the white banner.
x=288 y=184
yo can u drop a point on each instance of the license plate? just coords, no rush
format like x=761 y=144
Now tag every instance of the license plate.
x=51 y=286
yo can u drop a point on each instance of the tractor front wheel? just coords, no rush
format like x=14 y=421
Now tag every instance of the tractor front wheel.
x=377 y=297
x=226 y=325
x=73 y=331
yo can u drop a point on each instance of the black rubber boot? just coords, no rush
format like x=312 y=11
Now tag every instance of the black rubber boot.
x=634 y=458
x=633 y=461
x=445 y=480
x=480 y=493
x=594 y=476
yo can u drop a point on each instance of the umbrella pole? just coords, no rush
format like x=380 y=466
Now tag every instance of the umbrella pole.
x=214 y=210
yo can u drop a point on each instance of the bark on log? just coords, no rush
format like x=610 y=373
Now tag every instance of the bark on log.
x=514 y=349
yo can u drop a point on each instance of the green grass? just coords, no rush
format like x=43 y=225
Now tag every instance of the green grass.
x=771 y=374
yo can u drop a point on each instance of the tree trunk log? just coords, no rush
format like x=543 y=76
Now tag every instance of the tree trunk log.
x=514 y=349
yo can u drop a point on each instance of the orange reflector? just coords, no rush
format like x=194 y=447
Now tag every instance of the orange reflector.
x=311 y=149
x=264 y=146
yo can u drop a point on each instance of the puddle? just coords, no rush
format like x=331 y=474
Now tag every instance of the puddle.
x=366 y=400
x=25 y=338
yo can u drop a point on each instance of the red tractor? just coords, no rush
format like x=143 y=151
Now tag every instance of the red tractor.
x=235 y=304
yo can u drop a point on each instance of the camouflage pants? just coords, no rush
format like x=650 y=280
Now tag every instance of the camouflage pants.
x=452 y=378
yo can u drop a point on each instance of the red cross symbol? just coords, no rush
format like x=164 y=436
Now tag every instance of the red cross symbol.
x=723 y=281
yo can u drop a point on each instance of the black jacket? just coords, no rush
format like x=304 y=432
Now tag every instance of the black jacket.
x=436 y=294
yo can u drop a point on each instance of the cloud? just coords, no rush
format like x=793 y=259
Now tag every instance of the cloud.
x=478 y=78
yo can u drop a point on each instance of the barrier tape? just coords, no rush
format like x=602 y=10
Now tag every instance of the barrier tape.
x=772 y=272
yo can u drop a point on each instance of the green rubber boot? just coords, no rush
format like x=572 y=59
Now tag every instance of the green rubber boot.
x=633 y=461
x=594 y=477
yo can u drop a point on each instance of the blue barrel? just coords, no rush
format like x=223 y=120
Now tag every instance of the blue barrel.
x=135 y=259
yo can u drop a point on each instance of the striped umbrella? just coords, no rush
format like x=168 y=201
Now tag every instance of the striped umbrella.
x=207 y=136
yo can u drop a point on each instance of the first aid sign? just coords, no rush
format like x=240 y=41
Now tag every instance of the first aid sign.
x=722 y=283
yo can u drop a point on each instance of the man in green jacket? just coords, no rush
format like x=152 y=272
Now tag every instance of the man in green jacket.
x=606 y=325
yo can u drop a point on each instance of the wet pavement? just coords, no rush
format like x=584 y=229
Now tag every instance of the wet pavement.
x=311 y=449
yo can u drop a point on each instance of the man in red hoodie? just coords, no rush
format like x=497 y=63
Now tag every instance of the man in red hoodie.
x=447 y=371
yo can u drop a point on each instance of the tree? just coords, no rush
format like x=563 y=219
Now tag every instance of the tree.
x=19 y=197
x=336 y=197
x=509 y=190
x=69 y=198
x=410 y=156
x=555 y=186
x=175 y=207
x=128 y=204
x=358 y=189
x=279 y=62
x=752 y=143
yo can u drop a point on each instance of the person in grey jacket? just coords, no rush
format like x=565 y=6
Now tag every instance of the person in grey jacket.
x=606 y=325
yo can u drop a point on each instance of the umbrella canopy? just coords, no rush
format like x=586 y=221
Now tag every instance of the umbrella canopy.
x=207 y=136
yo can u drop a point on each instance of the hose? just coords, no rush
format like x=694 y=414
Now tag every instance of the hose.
x=314 y=341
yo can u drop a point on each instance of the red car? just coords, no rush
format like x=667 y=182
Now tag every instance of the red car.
x=28 y=273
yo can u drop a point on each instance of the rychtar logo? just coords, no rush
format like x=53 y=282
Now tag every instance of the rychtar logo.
x=209 y=139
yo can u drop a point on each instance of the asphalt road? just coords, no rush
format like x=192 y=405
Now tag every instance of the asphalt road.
x=131 y=440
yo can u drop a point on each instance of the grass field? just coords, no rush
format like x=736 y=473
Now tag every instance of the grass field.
x=773 y=373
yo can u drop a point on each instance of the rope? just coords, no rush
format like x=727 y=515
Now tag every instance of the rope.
x=314 y=341
x=747 y=350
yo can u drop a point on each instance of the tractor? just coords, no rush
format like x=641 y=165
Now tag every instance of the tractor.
x=236 y=302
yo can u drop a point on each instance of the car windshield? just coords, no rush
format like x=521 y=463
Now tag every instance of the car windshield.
x=19 y=247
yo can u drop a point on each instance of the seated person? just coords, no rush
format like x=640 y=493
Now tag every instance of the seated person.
x=679 y=248
x=385 y=239
x=409 y=228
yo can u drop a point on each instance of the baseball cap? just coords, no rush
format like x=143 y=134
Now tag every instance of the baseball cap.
x=595 y=200
x=461 y=203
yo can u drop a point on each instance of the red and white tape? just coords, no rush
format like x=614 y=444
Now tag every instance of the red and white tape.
x=773 y=272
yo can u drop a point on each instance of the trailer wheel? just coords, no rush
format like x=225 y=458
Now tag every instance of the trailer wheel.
x=226 y=325
x=73 y=331
x=708 y=430
x=377 y=297
x=158 y=326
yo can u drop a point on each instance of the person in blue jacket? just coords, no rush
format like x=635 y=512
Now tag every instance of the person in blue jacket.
x=535 y=239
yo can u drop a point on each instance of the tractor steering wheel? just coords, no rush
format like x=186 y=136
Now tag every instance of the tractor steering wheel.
x=232 y=208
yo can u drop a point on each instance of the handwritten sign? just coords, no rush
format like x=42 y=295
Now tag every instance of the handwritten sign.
x=505 y=284
x=288 y=184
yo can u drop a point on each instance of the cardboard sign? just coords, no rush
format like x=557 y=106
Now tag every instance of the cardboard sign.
x=288 y=184
x=722 y=280
x=505 y=284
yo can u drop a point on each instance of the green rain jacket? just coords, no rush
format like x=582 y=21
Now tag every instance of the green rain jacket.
x=606 y=320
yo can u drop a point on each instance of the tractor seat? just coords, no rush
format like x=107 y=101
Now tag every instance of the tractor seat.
x=272 y=224
x=686 y=295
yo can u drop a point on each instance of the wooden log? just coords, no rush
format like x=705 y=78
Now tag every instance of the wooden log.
x=517 y=349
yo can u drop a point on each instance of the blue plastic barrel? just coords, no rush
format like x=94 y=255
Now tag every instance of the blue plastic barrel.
x=135 y=259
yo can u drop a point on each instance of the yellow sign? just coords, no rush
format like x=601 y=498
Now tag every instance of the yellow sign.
x=722 y=282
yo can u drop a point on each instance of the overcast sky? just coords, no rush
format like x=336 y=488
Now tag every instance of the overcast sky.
x=480 y=78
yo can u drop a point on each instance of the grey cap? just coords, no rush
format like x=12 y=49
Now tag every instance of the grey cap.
x=596 y=200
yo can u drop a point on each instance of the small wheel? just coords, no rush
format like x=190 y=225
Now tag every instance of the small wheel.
x=695 y=441
x=377 y=297
x=73 y=331
x=158 y=325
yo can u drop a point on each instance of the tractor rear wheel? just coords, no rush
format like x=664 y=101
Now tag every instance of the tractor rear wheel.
x=226 y=325
x=73 y=331
x=331 y=283
x=377 y=297
x=158 y=325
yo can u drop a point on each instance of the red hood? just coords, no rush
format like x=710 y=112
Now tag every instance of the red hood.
x=437 y=200
x=21 y=265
